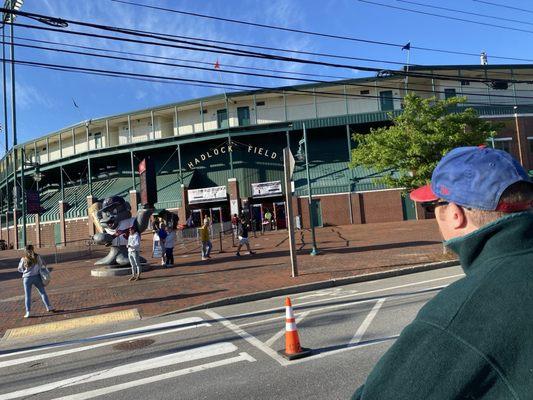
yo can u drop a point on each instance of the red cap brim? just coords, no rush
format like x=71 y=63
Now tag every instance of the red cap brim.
x=423 y=194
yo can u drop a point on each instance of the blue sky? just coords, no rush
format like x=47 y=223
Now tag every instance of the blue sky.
x=44 y=97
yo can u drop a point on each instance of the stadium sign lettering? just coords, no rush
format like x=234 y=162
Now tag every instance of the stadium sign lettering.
x=229 y=149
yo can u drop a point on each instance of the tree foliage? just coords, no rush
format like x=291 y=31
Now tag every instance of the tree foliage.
x=424 y=132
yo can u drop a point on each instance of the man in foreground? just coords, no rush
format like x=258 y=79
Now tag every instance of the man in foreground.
x=474 y=340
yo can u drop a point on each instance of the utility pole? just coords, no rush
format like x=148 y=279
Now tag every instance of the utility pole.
x=9 y=18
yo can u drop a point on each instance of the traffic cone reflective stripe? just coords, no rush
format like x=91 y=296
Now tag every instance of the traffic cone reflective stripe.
x=292 y=340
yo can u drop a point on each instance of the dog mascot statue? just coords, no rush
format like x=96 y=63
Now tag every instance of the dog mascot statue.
x=112 y=219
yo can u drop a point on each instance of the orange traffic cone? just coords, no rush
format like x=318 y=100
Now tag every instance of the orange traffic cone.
x=293 y=349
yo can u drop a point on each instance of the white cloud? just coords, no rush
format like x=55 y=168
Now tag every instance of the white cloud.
x=28 y=96
x=277 y=12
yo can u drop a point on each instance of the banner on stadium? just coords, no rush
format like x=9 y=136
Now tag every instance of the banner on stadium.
x=216 y=193
x=266 y=189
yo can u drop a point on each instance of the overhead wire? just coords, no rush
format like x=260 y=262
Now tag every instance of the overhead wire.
x=288 y=89
x=446 y=16
x=433 y=91
x=306 y=32
x=499 y=18
x=179 y=59
x=199 y=47
x=504 y=6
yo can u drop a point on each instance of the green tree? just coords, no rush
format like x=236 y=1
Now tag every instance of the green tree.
x=424 y=132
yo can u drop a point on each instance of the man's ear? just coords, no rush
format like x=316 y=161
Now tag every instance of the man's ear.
x=456 y=215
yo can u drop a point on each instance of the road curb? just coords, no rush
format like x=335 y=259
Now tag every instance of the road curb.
x=306 y=287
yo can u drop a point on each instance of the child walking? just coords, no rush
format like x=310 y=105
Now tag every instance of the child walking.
x=134 y=244
x=243 y=237
x=170 y=242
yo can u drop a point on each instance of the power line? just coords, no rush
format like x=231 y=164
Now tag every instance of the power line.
x=210 y=69
x=264 y=55
x=446 y=16
x=202 y=47
x=222 y=65
x=289 y=89
x=332 y=36
x=465 y=12
x=503 y=6
x=179 y=59
x=242 y=73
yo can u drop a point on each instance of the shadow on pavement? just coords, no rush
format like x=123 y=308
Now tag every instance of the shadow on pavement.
x=134 y=302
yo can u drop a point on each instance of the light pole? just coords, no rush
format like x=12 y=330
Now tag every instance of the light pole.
x=304 y=156
x=515 y=108
x=14 y=5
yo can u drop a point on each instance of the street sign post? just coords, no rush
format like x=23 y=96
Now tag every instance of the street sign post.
x=288 y=167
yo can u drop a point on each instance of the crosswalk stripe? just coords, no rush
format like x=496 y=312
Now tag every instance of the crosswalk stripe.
x=17 y=361
x=139 y=382
x=125 y=369
x=143 y=329
x=366 y=323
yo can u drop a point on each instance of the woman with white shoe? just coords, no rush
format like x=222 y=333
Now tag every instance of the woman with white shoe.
x=30 y=266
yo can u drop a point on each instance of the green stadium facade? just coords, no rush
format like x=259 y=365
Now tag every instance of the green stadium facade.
x=222 y=154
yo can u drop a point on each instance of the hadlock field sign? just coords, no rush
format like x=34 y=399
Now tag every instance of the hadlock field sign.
x=228 y=148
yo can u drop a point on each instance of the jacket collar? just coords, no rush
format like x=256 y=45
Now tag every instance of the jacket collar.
x=510 y=234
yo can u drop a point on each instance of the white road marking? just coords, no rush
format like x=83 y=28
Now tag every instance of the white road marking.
x=343 y=349
x=143 y=329
x=334 y=306
x=249 y=338
x=366 y=323
x=138 y=382
x=277 y=335
x=126 y=369
x=325 y=292
x=17 y=361
x=252 y=313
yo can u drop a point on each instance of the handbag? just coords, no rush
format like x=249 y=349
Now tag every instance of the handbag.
x=46 y=276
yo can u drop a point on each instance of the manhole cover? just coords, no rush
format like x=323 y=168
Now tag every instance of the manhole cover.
x=133 y=344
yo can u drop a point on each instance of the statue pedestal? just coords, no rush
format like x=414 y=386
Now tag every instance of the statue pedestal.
x=106 y=271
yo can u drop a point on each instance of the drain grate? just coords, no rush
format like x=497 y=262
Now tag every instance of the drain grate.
x=133 y=344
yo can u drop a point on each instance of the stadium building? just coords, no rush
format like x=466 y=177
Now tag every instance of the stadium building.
x=222 y=154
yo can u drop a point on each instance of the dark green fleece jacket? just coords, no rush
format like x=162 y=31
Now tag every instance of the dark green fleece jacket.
x=474 y=340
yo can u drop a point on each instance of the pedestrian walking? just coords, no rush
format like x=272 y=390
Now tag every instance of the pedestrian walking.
x=206 y=242
x=170 y=242
x=268 y=220
x=134 y=244
x=244 y=228
x=30 y=266
x=162 y=233
x=474 y=340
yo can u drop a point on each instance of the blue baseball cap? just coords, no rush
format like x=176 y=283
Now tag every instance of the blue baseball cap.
x=474 y=177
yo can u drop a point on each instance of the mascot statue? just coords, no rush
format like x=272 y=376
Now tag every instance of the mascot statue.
x=112 y=219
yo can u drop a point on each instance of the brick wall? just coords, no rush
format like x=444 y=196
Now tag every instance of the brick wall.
x=381 y=206
x=77 y=229
x=335 y=209
x=47 y=233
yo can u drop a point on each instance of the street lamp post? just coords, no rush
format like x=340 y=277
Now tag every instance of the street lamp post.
x=305 y=156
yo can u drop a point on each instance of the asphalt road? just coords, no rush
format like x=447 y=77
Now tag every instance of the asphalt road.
x=226 y=352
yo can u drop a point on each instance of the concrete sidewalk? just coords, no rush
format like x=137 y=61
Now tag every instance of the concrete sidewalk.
x=346 y=251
